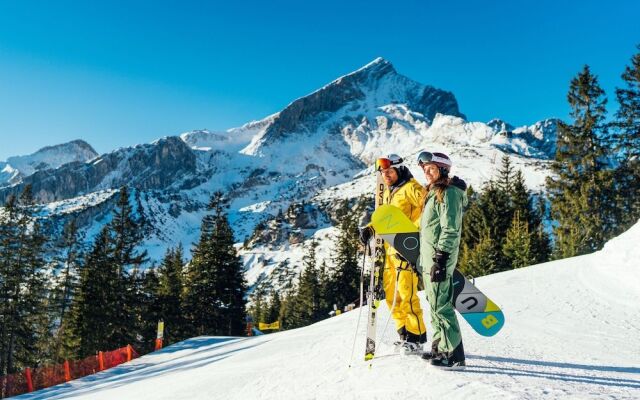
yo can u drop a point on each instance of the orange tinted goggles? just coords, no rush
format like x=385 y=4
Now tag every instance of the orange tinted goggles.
x=382 y=163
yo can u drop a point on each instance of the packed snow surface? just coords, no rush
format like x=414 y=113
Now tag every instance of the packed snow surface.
x=571 y=332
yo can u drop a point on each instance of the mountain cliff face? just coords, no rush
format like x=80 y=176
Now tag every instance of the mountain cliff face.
x=145 y=167
x=284 y=173
x=15 y=168
x=377 y=84
x=347 y=101
x=538 y=140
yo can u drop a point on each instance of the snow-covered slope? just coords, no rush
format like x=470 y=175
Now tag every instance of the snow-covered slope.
x=572 y=332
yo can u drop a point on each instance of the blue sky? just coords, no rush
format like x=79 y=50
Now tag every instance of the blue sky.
x=119 y=73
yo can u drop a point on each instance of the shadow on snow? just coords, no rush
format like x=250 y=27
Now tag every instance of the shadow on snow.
x=589 y=377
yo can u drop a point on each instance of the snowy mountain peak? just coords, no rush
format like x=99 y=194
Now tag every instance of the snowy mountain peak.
x=50 y=157
x=545 y=129
x=165 y=162
x=499 y=125
x=372 y=71
x=347 y=102
x=231 y=140
x=537 y=140
x=376 y=61
x=203 y=138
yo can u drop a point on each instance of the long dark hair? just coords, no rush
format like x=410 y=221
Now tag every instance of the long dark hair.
x=439 y=186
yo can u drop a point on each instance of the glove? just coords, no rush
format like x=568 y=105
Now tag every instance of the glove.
x=365 y=234
x=439 y=268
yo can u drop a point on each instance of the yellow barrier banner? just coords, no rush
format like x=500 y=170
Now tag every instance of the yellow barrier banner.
x=264 y=326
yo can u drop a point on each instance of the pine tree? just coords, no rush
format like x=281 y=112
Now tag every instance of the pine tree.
x=70 y=257
x=506 y=174
x=107 y=311
x=200 y=297
x=93 y=316
x=126 y=237
x=517 y=248
x=10 y=282
x=325 y=283
x=308 y=296
x=273 y=311
x=472 y=196
x=170 y=295
x=482 y=259
x=580 y=189
x=149 y=309
x=345 y=281
x=540 y=242
x=522 y=203
x=216 y=286
x=287 y=315
x=259 y=310
x=306 y=308
x=232 y=286
x=627 y=145
x=521 y=200
x=34 y=339
x=23 y=321
x=488 y=218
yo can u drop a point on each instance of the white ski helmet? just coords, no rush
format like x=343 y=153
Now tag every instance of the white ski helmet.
x=392 y=160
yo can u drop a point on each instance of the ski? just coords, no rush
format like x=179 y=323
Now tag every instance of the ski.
x=375 y=281
x=484 y=316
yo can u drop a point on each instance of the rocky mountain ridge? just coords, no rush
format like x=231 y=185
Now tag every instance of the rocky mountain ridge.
x=300 y=160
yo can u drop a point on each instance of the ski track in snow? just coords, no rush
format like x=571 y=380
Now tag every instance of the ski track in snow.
x=571 y=332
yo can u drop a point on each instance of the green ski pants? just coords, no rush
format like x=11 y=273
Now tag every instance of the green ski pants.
x=446 y=329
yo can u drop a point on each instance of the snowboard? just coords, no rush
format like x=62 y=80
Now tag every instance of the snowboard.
x=395 y=228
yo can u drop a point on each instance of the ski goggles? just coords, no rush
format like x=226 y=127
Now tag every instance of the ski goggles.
x=382 y=163
x=391 y=160
x=426 y=157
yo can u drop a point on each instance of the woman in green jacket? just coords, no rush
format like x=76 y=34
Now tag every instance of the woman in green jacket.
x=440 y=231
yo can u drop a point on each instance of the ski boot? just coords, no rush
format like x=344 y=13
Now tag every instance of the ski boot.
x=434 y=353
x=402 y=338
x=413 y=344
x=453 y=360
x=411 y=348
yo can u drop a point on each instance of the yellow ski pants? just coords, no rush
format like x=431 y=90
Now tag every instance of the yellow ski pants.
x=406 y=312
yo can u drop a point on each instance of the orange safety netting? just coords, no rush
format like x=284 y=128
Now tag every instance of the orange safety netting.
x=13 y=385
x=119 y=356
x=46 y=376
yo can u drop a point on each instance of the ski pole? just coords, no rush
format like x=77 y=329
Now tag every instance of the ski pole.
x=364 y=261
x=355 y=334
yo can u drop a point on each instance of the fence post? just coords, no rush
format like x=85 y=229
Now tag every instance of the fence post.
x=249 y=321
x=160 y=335
x=129 y=352
x=100 y=361
x=67 y=371
x=27 y=374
